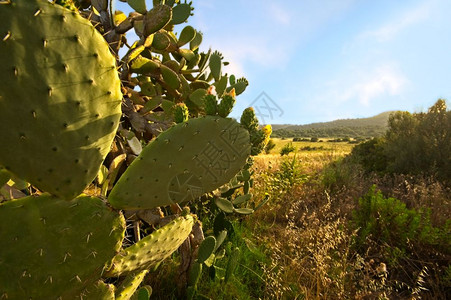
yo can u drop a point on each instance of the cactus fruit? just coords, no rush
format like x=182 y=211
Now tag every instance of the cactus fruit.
x=259 y=137
x=181 y=113
x=211 y=101
x=183 y=163
x=48 y=75
x=226 y=104
x=58 y=246
x=152 y=249
x=249 y=119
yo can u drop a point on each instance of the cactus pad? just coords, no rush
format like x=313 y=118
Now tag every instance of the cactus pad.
x=57 y=247
x=152 y=249
x=60 y=96
x=183 y=163
x=98 y=291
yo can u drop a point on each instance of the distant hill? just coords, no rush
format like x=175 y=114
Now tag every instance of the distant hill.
x=362 y=127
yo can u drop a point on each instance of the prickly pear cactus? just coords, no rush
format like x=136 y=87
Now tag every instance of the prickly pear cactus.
x=60 y=98
x=60 y=109
x=57 y=247
x=98 y=291
x=183 y=163
x=152 y=249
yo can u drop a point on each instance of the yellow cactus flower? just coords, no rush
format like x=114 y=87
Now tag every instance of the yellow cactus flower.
x=232 y=93
x=267 y=130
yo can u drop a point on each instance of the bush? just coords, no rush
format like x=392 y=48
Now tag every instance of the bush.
x=371 y=155
x=414 y=144
x=389 y=223
x=287 y=149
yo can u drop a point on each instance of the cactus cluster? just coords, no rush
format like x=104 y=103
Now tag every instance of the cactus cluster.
x=151 y=127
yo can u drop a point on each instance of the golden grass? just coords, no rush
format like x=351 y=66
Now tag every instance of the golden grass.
x=306 y=230
x=341 y=147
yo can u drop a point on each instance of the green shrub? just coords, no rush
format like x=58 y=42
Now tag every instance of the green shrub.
x=418 y=143
x=287 y=149
x=371 y=155
x=389 y=223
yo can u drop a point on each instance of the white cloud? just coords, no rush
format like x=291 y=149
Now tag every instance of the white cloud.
x=401 y=22
x=363 y=86
x=279 y=15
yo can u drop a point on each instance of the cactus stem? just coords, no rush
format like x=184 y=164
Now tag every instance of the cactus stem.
x=7 y=36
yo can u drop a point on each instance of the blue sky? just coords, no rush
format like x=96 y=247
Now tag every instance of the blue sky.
x=321 y=60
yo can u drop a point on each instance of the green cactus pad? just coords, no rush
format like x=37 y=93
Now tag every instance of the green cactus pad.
x=156 y=19
x=55 y=247
x=98 y=291
x=152 y=249
x=216 y=65
x=130 y=284
x=181 y=13
x=60 y=98
x=187 y=35
x=194 y=44
x=206 y=249
x=138 y=5
x=183 y=163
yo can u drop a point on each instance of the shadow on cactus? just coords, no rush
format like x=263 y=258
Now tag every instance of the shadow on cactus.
x=134 y=133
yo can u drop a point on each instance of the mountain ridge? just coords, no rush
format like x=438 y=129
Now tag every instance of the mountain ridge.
x=363 y=127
